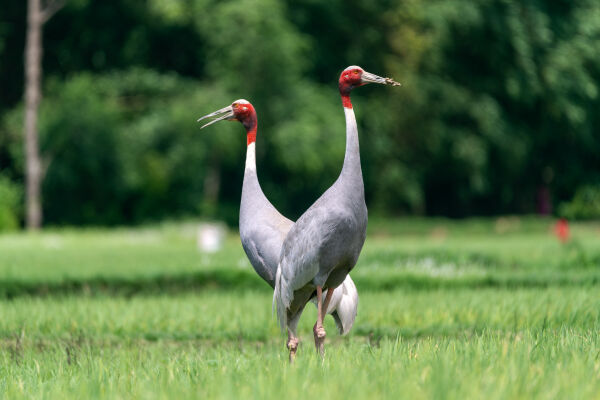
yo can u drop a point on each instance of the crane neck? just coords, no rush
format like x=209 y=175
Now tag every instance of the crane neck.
x=346 y=100
x=250 y=123
x=251 y=157
x=352 y=156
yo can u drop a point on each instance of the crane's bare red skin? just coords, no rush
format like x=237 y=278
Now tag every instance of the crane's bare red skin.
x=246 y=114
x=349 y=79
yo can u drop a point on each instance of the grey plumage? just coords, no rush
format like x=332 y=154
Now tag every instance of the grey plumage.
x=263 y=229
x=262 y=232
x=324 y=244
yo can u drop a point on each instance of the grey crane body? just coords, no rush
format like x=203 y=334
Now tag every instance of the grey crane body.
x=262 y=232
x=324 y=244
x=263 y=229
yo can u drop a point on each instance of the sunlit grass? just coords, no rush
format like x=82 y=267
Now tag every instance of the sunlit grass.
x=489 y=365
x=448 y=343
x=447 y=310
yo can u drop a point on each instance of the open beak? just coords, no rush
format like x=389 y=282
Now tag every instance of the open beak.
x=219 y=115
x=368 y=77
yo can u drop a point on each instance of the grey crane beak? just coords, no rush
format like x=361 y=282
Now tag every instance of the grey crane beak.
x=219 y=115
x=368 y=77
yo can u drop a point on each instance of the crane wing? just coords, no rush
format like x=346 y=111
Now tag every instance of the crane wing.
x=262 y=236
x=301 y=254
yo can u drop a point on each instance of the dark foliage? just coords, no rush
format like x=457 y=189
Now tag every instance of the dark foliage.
x=497 y=113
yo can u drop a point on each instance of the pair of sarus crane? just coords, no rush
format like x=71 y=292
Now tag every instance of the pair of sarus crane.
x=310 y=259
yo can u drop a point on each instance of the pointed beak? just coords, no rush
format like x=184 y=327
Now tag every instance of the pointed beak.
x=225 y=113
x=368 y=77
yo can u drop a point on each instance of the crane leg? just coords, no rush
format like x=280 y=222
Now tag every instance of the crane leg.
x=318 y=329
x=292 y=345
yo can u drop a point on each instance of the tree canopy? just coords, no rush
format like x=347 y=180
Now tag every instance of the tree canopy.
x=497 y=111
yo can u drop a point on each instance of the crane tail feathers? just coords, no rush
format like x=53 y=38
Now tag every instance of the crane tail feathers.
x=274 y=302
x=279 y=301
x=347 y=307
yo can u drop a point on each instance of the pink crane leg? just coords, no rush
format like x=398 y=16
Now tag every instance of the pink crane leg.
x=292 y=345
x=318 y=329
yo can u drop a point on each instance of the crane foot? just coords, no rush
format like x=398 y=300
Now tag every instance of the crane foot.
x=319 y=334
x=292 y=345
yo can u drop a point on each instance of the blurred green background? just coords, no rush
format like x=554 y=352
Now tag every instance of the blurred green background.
x=498 y=112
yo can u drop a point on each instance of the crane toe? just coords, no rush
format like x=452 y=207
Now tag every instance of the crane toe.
x=292 y=345
x=319 y=334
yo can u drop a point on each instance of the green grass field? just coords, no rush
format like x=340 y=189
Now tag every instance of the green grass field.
x=490 y=308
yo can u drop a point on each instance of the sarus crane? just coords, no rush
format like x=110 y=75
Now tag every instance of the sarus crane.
x=263 y=228
x=323 y=246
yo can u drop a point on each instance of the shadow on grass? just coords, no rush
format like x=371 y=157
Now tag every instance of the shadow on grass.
x=236 y=280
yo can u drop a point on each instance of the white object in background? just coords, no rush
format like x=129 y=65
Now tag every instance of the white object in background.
x=210 y=237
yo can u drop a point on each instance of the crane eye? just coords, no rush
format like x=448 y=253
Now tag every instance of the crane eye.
x=235 y=105
x=355 y=72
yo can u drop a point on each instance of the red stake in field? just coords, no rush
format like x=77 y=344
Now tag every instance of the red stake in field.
x=561 y=230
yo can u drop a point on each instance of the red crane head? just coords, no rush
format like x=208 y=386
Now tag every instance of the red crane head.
x=240 y=110
x=355 y=76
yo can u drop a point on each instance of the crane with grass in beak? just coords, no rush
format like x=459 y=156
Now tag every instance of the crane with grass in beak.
x=324 y=244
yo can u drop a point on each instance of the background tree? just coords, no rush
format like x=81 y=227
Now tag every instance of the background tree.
x=497 y=113
x=37 y=15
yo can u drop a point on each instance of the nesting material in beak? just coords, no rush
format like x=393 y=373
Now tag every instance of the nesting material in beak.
x=224 y=113
x=368 y=77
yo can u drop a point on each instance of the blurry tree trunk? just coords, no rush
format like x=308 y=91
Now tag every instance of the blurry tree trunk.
x=36 y=17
